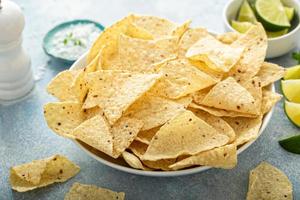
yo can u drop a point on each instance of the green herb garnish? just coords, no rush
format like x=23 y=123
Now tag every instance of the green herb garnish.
x=296 y=56
x=70 y=38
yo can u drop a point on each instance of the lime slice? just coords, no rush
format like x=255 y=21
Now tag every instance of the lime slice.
x=291 y=144
x=291 y=90
x=272 y=14
x=246 y=13
x=277 y=33
x=292 y=110
x=241 y=27
x=292 y=73
x=289 y=13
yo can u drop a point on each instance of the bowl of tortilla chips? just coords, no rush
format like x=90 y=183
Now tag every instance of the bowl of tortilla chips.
x=156 y=98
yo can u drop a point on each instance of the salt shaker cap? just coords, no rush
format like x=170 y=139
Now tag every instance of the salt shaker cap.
x=11 y=22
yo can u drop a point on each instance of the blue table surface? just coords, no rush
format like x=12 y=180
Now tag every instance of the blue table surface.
x=24 y=135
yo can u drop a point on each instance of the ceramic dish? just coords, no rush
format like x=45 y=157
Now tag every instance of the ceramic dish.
x=120 y=164
x=276 y=46
x=47 y=45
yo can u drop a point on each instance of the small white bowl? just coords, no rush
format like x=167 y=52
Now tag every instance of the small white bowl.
x=276 y=46
x=120 y=164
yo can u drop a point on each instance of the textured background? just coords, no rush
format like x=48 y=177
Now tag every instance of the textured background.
x=24 y=135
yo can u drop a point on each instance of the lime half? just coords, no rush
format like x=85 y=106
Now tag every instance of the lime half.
x=275 y=34
x=289 y=13
x=291 y=144
x=292 y=73
x=246 y=13
x=241 y=27
x=292 y=110
x=291 y=90
x=272 y=14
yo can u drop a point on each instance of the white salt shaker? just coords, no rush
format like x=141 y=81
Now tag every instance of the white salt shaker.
x=16 y=78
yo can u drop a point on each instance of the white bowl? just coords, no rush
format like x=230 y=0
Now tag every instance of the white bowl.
x=276 y=46
x=120 y=164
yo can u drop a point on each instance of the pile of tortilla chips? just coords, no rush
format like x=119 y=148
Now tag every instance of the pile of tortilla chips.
x=165 y=96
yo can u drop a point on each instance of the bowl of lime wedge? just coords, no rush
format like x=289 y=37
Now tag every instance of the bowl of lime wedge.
x=280 y=19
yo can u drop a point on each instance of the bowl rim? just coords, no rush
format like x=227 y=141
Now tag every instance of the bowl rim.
x=226 y=21
x=80 y=63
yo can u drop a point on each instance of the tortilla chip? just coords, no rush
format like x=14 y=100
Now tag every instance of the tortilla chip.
x=133 y=161
x=139 y=150
x=218 y=56
x=147 y=135
x=110 y=38
x=220 y=157
x=180 y=30
x=60 y=85
x=217 y=122
x=185 y=134
x=154 y=111
x=80 y=191
x=268 y=182
x=40 y=173
x=63 y=117
x=220 y=112
x=180 y=78
x=114 y=92
x=230 y=95
x=97 y=133
x=156 y=26
x=138 y=32
x=254 y=87
x=269 y=100
x=255 y=43
x=79 y=85
x=245 y=129
x=141 y=55
x=198 y=96
x=189 y=38
x=228 y=38
x=270 y=73
x=203 y=67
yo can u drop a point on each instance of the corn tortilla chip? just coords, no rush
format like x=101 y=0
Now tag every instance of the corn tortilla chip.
x=269 y=100
x=40 y=173
x=220 y=112
x=228 y=38
x=255 y=43
x=230 y=95
x=63 y=117
x=133 y=161
x=97 y=133
x=217 y=122
x=203 y=67
x=268 y=182
x=180 y=30
x=218 y=56
x=110 y=38
x=141 y=55
x=61 y=85
x=154 y=111
x=114 y=92
x=189 y=38
x=246 y=129
x=220 y=157
x=138 y=32
x=80 y=191
x=180 y=78
x=147 y=135
x=139 y=150
x=185 y=134
x=270 y=73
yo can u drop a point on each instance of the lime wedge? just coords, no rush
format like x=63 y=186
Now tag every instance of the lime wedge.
x=272 y=14
x=241 y=27
x=292 y=110
x=289 y=13
x=291 y=144
x=246 y=13
x=292 y=73
x=277 y=33
x=291 y=90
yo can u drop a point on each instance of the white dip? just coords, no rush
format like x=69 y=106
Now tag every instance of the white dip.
x=71 y=42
